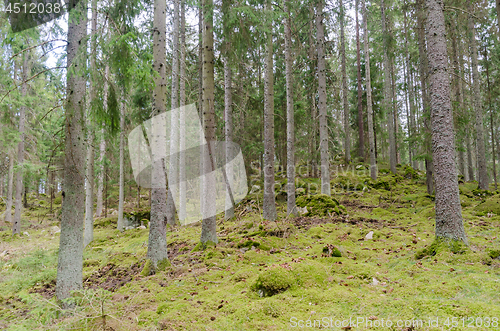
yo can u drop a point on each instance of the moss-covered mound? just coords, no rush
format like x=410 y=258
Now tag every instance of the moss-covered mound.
x=490 y=205
x=320 y=205
x=274 y=281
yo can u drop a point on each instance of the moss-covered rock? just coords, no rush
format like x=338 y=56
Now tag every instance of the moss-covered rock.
x=494 y=253
x=490 y=205
x=331 y=251
x=274 y=281
x=319 y=205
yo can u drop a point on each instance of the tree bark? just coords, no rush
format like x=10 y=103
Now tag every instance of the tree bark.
x=361 y=129
x=345 y=102
x=173 y=170
x=102 y=149
x=423 y=71
x=209 y=226
x=492 y=127
x=323 y=119
x=290 y=120
x=448 y=210
x=269 y=204
x=369 y=108
x=70 y=262
x=482 y=172
x=8 y=207
x=182 y=119
x=16 y=226
x=88 y=234
x=387 y=102
x=157 y=242
x=411 y=97
x=121 y=195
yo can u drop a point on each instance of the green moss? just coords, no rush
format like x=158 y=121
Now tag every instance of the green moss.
x=494 y=253
x=273 y=281
x=57 y=201
x=490 y=205
x=105 y=222
x=202 y=246
x=331 y=251
x=248 y=244
x=318 y=205
x=163 y=264
x=441 y=244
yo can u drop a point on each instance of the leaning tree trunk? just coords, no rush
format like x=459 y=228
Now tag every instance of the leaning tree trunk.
x=388 y=106
x=290 y=123
x=369 y=108
x=88 y=234
x=423 y=71
x=209 y=225
x=8 y=210
x=361 y=129
x=157 y=242
x=345 y=102
x=448 y=210
x=269 y=204
x=70 y=263
x=16 y=226
x=482 y=172
x=323 y=120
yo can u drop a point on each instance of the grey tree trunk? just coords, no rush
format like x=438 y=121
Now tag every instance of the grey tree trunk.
x=290 y=121
x=269 y=203
x=411 y=97
x=8 y=209
x=498 y=17
x=182 y=119
x=361 y=129
x=387 y=102
x=88 y=234
x=492 y=126
x=448 y=210
x=209 y=225
x=423 y=71
x=173 y=170
x=369 y=108
x=323 y=120
x=102 y=150
x=70 y=262
x=121 y=195
x=157 y=242
x=345 y=102
x=482 y=171
x=16 y=226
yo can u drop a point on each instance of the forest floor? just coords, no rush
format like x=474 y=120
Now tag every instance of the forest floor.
x=271 y=275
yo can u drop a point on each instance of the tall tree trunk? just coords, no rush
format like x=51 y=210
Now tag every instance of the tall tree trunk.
x=173 y=169
x=102 y=149
x=200 y=92
x=482 y=171
x=314 y=123
x=347 y=139
x=269 y=204
x=369 y=108
x=423 y=71
x=291 y=207
x=121 y=195
x=492 y=127
x=411 y=97
x=448 y=210
x=157 y=242
x=361 y=129
x=209 y=225
x=323 y=120
x=16 y=226
x=182 y=119
x=88 y=234
x=8 y=210
x=387 y=102
x=70 y=262
x=498 y=17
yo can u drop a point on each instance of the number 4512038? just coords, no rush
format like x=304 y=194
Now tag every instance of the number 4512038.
x=33 y=8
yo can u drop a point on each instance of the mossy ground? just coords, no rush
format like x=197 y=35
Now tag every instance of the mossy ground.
x=217 y=287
